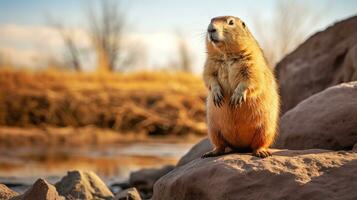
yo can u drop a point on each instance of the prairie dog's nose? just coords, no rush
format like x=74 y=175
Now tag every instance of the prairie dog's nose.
x=211 y=28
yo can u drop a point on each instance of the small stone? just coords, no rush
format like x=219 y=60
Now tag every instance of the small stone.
x=6 y=193
x=128 y=194
x=83 y=185
x=40 y=190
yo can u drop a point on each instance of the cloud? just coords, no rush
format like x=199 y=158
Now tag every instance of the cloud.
x=26 y=44
x=162 y=47
x=24 y=57
x=11 y=33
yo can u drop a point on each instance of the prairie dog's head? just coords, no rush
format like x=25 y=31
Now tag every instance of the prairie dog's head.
x=226 y=33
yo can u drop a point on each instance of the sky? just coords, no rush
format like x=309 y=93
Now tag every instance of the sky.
x=153 y=24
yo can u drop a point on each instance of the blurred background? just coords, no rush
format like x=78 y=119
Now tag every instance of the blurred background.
x=115 y=86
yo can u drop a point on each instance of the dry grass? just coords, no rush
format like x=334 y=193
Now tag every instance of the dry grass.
x=150 y=103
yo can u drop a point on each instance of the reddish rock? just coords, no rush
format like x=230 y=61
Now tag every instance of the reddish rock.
x=288 y=174
x=145 y=179
x=327 y=58
x=196 y=152
x=40 y=190
x=326 y=120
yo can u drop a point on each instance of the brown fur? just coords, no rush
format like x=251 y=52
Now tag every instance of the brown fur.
x=234 y=62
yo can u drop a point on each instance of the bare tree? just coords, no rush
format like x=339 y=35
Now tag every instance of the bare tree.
x=289 y=27
x=72 y=50
x=184 y=56
x=51 y=62
x=133 y=57
x=106 y=28
x=106 y=25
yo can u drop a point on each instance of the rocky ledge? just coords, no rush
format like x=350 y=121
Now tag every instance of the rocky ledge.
x=288 y=174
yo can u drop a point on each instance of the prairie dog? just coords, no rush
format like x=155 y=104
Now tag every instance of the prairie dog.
x=243 y=100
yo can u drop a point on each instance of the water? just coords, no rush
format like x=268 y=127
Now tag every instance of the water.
x=112 y=163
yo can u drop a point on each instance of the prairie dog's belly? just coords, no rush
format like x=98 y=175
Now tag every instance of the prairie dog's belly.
x=237 y=126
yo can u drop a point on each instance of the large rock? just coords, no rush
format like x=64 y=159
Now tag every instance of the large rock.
x=6 y=193
x=196 y=152
x=326 y=120
x=83 y=185
x=326 y=59
x=40 y=190
x=145 y=179
x=305 y=174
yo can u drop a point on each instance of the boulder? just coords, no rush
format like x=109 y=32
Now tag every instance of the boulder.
x=327 y=58
x=288 y=174
x=128 y=194
x=326 y=120
x=40 y=190
x=196 y=152
x=6 y=193
x=83 y=185
x=145 y=179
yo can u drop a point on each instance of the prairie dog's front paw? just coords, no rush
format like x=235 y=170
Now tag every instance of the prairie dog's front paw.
x=217 y=95
x=237 y=98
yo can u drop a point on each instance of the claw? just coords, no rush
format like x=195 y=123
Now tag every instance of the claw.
x=262 y=153
x=237 y=99
x=217 y=97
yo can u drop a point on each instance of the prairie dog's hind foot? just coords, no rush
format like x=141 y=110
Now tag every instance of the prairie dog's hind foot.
x=214 y=153
x=262 y=153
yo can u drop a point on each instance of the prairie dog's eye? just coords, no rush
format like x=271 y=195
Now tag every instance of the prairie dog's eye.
x=243 y=24
x=231 y=22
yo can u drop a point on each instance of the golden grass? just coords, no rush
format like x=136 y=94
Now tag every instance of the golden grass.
x=154 y=103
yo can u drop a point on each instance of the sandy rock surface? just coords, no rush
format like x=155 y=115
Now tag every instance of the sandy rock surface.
x=83 y=185
x=326 y=120
x=40 y=190
x=325 y=59
x=305 y=174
